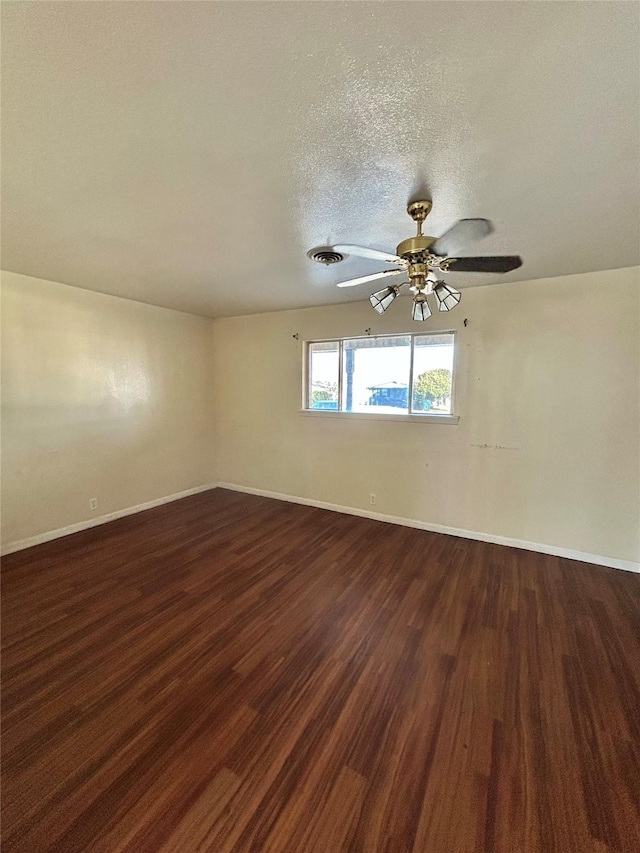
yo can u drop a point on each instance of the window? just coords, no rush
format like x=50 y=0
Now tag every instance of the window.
x=389 y=374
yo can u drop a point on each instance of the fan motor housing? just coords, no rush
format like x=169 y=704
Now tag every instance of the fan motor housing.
x=414 y=247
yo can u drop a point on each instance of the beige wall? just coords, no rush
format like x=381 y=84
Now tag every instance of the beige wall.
x=102 y=397
x=108 y=398
x=547 y=446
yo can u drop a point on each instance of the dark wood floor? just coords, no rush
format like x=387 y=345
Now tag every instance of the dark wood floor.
x=232 y=673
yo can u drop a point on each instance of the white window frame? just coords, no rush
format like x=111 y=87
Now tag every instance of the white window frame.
x=409 y=417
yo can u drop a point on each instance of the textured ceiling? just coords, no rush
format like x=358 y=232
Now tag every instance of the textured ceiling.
x=188 y=154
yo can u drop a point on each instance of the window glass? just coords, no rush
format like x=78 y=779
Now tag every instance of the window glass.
x=375 y=374
x=324 y=361
x=387 y=374
x=432 y=374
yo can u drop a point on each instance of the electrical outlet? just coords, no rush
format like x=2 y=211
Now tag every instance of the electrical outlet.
x=372 y=499
x=93 y=503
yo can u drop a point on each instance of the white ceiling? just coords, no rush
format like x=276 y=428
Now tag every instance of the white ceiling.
x=188 y=154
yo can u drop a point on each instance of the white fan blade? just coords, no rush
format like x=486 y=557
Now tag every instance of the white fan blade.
x=365 y=278
x=364 y=252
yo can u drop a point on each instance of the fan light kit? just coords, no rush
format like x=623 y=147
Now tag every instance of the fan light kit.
x=423 y=259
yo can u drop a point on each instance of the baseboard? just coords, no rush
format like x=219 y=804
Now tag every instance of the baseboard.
x=553 y=550
x=102 y=519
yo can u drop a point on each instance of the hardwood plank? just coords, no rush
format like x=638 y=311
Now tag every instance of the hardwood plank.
x=233 y=673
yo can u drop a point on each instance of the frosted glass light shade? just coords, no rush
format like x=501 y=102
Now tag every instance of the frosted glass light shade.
x=382 y=299
x=420 y=310
x=447 y=297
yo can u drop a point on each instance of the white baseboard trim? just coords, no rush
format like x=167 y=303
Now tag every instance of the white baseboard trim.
x=101 y=519
x=553 y=550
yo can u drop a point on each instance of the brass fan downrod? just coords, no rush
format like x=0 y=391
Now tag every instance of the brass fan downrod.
x=415 y=249
x=418 y=211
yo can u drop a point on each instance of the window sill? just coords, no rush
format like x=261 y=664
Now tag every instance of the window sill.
x=365 y=416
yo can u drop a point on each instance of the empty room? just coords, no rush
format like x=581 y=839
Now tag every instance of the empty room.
x=320 y=427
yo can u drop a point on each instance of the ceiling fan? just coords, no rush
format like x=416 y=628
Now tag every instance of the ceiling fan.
x=422 y=258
